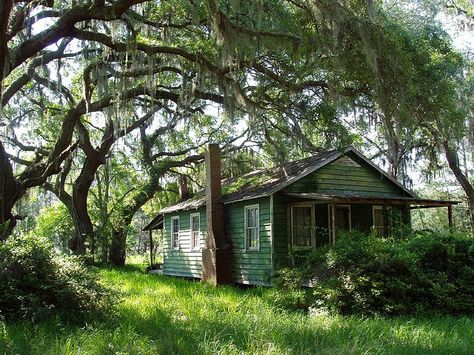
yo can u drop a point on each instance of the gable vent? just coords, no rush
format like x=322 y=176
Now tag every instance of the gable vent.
x=346 y=161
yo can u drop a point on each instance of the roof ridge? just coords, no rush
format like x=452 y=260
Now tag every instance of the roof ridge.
x=318 y=155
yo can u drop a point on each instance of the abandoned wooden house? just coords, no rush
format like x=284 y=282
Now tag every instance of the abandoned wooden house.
x=242 y=230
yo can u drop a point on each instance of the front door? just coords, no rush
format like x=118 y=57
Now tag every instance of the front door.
x=339 y=220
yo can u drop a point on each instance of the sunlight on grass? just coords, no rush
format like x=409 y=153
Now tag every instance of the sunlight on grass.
x=159 y=314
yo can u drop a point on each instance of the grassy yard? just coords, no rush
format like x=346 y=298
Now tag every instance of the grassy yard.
x=159 y=314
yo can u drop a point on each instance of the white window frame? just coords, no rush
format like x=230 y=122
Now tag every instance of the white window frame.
x=246 y=208
x=378 y=228
x=173 y=233
x=313 y=225
x=195 y=244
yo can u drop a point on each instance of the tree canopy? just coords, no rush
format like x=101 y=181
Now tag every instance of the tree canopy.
x=106 y=104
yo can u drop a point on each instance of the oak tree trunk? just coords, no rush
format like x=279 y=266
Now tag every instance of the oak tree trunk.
x=11 y=191
x=119 y=234
x=453 y=161
x=117 y=251
x=81 y=218
x=80 y=192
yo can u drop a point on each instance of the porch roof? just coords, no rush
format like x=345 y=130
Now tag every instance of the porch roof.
x=414 y=202
x=156 y=223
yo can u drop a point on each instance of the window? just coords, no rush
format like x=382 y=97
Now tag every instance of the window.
x=195 y=231
x=302 y=226
x=251 y=227
x=378 y=220
x=175 y=232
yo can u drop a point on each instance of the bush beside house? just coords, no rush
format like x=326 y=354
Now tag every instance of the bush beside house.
x=432 y=272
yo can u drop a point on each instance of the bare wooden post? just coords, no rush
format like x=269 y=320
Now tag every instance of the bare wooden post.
x=151 y=248
x=450 y=215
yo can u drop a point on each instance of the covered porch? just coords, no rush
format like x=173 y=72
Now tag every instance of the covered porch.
x=316 y=219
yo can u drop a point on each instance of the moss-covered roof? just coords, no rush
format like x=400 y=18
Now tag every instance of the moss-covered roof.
x=260 y=183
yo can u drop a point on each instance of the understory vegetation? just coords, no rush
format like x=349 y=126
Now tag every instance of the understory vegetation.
x=414 y=273
x=36 y=281
x=160 y=314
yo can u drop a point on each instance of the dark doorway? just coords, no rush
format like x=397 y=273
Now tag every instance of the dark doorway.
x=339 y=220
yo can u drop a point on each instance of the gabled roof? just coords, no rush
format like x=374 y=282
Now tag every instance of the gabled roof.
x=265 y=182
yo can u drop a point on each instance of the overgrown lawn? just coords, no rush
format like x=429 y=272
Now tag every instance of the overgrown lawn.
x=159 y=314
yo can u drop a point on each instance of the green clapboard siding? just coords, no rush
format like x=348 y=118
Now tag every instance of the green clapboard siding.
x=341 y=178
x=280 y=231
x=184 y=261
x=248 y=266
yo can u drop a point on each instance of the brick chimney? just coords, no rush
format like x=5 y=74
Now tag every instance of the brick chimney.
x=216 y=255
x=183 y=186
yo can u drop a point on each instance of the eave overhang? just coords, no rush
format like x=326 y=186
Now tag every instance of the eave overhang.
x=413 y=202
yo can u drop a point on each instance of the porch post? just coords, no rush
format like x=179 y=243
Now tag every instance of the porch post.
x=406 y=220
x=450 y=215
x=151 y=248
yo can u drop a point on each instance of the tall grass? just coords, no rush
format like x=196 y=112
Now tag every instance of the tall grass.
x=159 y=314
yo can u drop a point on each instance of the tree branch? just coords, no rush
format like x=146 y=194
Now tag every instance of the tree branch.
x=65 y=26
x=48 y=83
x=5 y=10
x=36 y=62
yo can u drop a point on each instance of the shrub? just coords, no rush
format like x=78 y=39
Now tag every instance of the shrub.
x=372 y=275
x=35 y=280
x=55 y=224
x=295 y=297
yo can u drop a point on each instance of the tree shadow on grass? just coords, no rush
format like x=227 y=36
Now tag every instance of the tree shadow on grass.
x=168 y=315
x=131 y=333
x=247 y=328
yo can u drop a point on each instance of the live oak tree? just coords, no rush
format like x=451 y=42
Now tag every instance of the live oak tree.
x=19 y=74
x=84 y=78
x=21 y=53
x=449 y=127
x=186 y=53
x=459 y=150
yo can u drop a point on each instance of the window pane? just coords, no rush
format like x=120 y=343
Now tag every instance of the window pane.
x=175 y=225
x=195 y=223
x=252 y=217
x=378 y=217
x=252 y=237
x=175 y=232
x=302 y=216
x=302 y=226
x=379 y=221
x=302 y=236
x=195 y=240
x=251 y=232
x=175 y=240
